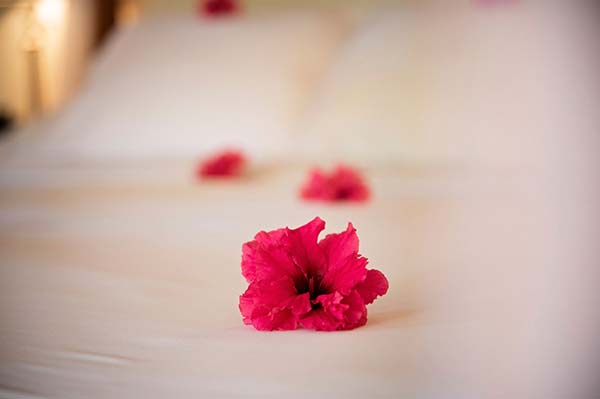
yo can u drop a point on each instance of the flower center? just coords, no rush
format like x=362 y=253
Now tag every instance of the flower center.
x=312 y=285
x=343 y=193
x=312 y=290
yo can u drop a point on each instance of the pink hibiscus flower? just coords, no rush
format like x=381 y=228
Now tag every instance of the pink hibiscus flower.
x=224 y=164
x=294 y=279
x=217 y=8
x=342 y=184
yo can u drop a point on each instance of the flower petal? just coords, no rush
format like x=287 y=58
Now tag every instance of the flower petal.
x=217 y=8
x=273 y=305
x=345 y=267
x=304 y=249
x=375 y=285
x=349 y=184
x=275 y=319
x=341 y=184
x=332 y=304
x=339 y=246
x=316 y=186
x=345 y=276
x=267 y=257
x=337 y=313
x=356 y=313
x=319 y=320
x=330 y=316
x=227 y=163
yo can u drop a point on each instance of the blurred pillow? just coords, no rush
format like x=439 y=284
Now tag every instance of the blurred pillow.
x=394 y=92
x=177 y=86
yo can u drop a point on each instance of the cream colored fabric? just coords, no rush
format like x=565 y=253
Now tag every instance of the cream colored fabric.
x=437 y=83
x=124 y=282
x=180 y=86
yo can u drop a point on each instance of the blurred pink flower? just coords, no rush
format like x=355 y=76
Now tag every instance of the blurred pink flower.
x=217 y=8
x=342 y=184
x=294 y=279
x=224 y=164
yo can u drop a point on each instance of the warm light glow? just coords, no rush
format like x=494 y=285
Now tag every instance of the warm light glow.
x=50 y=12
x=128 y=12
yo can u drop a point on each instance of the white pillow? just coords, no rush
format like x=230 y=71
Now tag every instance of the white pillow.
x=418 y=84
x=179 y=86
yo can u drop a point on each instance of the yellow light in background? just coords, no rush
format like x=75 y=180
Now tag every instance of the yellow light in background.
x=128 y=12
x=50 y=12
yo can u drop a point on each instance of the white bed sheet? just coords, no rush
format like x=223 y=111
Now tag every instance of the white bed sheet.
x=126 y=285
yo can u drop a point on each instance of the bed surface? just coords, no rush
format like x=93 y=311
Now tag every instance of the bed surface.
x=129 y=287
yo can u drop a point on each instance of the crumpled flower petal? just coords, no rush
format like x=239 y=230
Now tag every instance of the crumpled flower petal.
x=341 y=184
x=374 y=285
x=229 y=163
x=337 y=313
x=273 y=305
x=345 y=267
x=294 y=280
x=328 y=314
x=304 y=249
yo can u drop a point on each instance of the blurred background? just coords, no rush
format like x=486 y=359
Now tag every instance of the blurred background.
x=48 y=45
x=476 y=124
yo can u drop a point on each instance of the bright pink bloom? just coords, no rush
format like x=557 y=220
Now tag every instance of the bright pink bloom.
x=342 y=184
x=224 y=164
x=217 y=8
x=294 y=279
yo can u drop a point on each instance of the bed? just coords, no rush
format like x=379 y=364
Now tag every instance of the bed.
x=120 y=271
